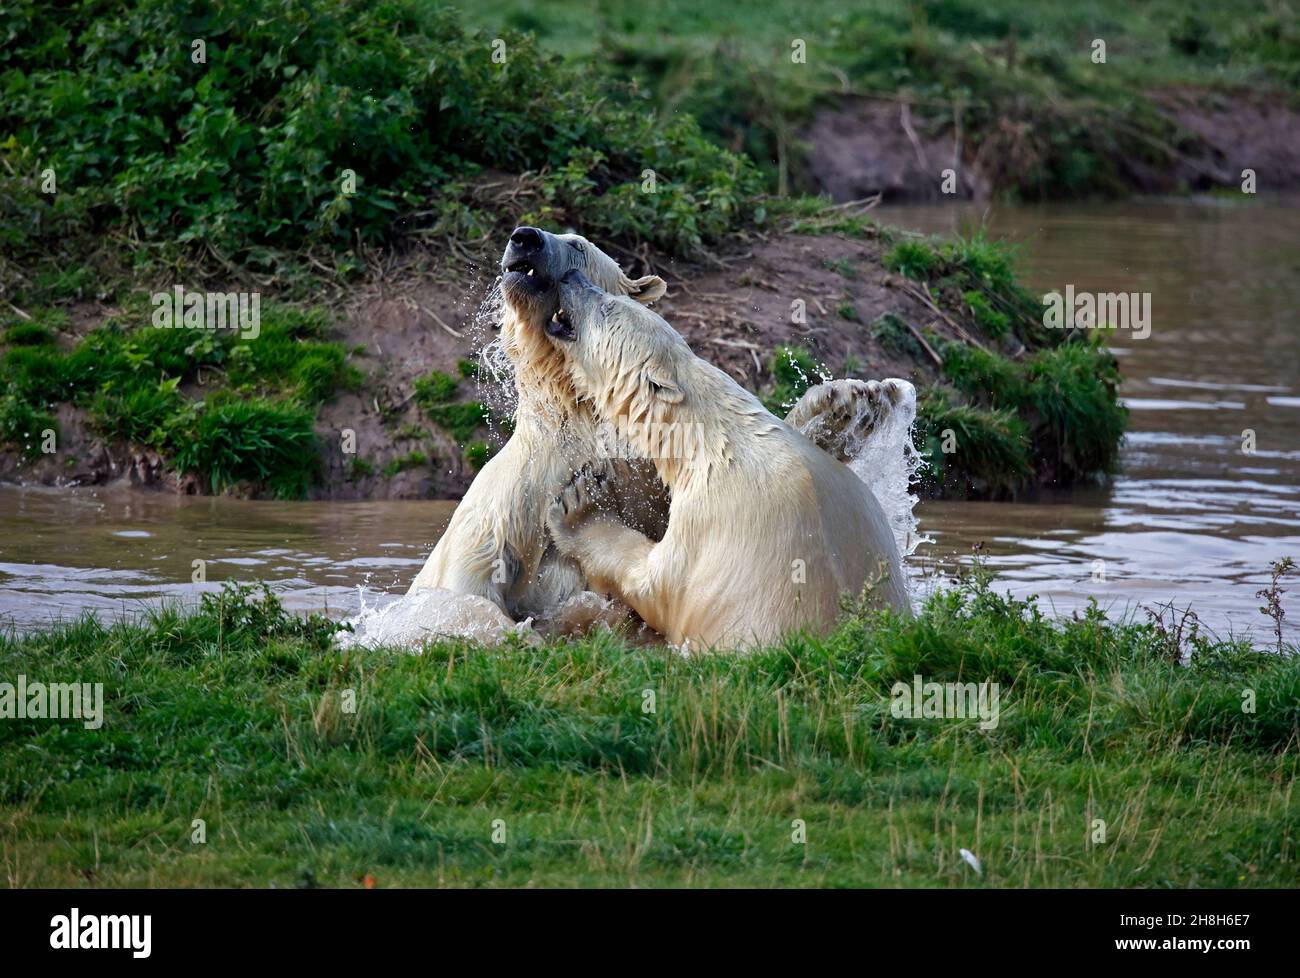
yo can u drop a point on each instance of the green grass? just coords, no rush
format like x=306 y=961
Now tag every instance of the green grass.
x=250 y=422
x=434 y=393
x=411 y=460
x=22 y=425
x=234 y=714
x=1048 y=122
x=312 y=126
x=262 y=443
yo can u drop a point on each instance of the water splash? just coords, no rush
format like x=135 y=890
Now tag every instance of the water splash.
x=410 y=620
x=495 y=374
x=888 y=462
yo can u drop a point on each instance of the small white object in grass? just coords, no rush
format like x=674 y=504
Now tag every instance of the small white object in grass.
x=972 y=860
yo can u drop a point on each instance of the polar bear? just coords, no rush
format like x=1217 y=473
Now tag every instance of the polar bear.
x=765 y=532
x=496 y=545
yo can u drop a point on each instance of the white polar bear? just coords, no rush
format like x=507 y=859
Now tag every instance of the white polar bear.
x=497 y=545
x=765 y=532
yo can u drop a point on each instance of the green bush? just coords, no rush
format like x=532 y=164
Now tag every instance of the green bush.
x=990 y=448
x=257 y=147
x=1068 y=396
x=21 y=425
x=255 y=441
x=139 y=414
x=127 y=374
x=793 y=372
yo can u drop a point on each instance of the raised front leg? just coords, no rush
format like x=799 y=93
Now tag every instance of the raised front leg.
x=614 y=557
x=840 y=415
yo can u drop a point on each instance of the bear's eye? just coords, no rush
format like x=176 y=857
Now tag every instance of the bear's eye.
x=575 y=246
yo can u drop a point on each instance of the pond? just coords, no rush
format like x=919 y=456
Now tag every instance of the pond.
x=1190 y=517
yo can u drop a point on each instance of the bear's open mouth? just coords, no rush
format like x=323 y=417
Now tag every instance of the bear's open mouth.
x=560 y=326
x=523 y=274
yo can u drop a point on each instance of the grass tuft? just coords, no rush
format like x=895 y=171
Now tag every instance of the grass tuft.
x=609 y=764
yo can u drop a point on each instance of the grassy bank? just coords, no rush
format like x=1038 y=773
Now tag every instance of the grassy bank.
x=1016 y=78
x=308 y=150
x=609 y=765
x=316 y=129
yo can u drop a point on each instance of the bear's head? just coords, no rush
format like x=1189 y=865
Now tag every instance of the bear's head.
x=617 y=351
x=639 y=376
x=531 y=268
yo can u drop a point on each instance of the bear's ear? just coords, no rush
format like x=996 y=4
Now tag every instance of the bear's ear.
x=647 y=289
x=661 y=378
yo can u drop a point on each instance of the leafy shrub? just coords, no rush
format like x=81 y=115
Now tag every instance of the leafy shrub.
x=252 y=148
x=128 y=374
x=21 y=425
x=255 y=441
x=793 y=372
x=990 y=447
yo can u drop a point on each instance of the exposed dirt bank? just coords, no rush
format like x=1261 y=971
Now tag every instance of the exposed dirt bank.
x=862 y=147
x=822 y=293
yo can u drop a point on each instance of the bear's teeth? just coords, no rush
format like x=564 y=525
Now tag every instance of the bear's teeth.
x=530 y=272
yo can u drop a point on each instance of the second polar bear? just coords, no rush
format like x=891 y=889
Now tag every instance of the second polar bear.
x=765 y=531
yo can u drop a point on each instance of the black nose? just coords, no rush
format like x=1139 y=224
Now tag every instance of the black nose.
x=526 y=239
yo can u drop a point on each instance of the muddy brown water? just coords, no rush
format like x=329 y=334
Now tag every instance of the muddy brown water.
x=1189 y=517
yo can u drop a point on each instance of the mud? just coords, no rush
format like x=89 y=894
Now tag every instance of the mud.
x=864 y=147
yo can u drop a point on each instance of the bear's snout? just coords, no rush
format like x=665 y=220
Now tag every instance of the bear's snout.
x=526 y=253
x=528 y=270
x=577 y=291
x=526 y=238
x=576 y=281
